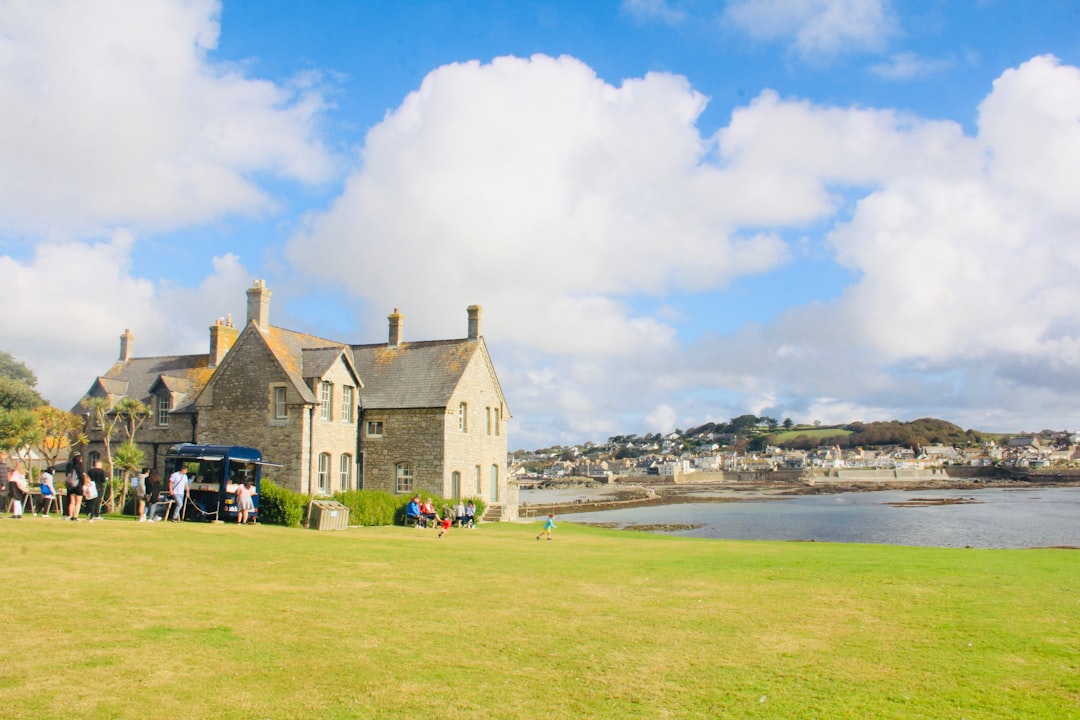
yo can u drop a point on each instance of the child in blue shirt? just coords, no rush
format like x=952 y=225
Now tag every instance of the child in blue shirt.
x=549 y=525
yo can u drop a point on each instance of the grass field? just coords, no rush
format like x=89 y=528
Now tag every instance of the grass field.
x=126 y=620
x=786 y=435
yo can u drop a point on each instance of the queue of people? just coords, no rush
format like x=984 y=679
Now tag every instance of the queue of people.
x=84 y=492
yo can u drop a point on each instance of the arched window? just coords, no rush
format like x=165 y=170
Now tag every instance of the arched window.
x=455 y=484
x=324 y=472
x=345 y=476
x=404 y=474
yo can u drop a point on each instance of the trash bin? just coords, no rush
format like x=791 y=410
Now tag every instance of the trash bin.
x=328 y=515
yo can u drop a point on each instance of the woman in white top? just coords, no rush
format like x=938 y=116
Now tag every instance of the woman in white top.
x=48 y=491
x=18 y=488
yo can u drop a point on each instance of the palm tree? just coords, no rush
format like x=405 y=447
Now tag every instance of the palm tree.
x=129 y=458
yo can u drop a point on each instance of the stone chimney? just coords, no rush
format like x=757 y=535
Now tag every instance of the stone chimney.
x=258 y=306
x=395 y=319
x=475 y=311
x=222 y=336
x=126 y=341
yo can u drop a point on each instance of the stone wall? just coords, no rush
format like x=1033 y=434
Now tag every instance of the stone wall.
x=236 y=408
x=413 y=436
x=485 y=443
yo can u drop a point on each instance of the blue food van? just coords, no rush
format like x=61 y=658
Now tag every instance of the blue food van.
x=214 y=472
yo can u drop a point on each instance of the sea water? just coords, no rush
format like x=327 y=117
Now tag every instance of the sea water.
x=989 y=518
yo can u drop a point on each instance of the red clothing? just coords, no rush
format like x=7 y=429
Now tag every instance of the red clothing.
x=446 y=522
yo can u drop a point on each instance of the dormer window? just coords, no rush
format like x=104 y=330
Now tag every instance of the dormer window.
x=164 y=407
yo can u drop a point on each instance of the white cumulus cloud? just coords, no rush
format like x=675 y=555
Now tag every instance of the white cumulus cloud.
x=116 y=115
x=816 y=28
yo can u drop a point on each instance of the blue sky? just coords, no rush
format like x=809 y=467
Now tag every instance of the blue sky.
x=671 y=212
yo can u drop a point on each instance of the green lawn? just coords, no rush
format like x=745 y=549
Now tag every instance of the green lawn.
x=787 y=435
x=126 y=620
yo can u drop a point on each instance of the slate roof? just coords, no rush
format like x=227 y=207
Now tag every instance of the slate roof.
x=304 y=356
x=135 y=378
x=414 y=374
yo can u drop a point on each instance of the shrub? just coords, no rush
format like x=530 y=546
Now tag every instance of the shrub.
x=371 y=507
x=281 y=506
x=377 y=507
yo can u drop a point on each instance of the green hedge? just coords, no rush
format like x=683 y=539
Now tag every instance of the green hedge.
x=377 y=507
x=370 y=507
x=281 y=506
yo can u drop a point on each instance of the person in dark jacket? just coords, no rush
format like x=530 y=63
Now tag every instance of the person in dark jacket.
x=93 y=505
x=76 y=477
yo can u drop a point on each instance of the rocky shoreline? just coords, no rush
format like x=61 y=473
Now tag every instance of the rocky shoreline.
x=593 y=497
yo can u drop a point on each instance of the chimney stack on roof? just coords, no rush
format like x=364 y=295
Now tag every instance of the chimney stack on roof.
x=258 y=305
x=126 y=341
x=474 y=321
x=395 y=319
x=222 y=337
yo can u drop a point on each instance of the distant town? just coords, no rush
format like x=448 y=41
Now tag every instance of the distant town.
x=761 y=444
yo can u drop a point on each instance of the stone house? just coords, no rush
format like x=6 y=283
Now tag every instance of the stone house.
x=405 y=417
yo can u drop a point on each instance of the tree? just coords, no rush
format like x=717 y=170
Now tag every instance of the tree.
x=743 y=424
x=60 y=430
x=132 y=413
x=17 y=385
x=16 y=395
x=19 y=430
x=788 y=424
x=16 y=370
x=101 y=416
x=129 y=458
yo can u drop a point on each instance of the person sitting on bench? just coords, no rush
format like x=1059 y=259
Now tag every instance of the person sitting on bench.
x=412 y=512
x=427 y=511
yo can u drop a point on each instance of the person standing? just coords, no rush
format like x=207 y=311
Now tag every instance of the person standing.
x=93 y=505
x=178 y=488
x=75 y=479
x=48 y=490
x=92 y=493
x=549 y=525
x=3 y=480
x=138 y=484
x=19 y=490
x=153 y=490
x=244 y=504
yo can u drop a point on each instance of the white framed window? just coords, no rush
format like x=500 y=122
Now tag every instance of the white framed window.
x=374 y=428
x=497 y=414
x=494 y=483
x=324 y=472
x=404 y=474
x=455 y=484
x=348 y=393
x=478 y=489
x=164 y=405
x=463 y=417
x=326 y=400
x=281 y=409
x=345 y=472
